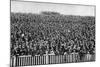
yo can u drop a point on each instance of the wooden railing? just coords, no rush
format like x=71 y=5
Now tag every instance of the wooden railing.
x=48 y=59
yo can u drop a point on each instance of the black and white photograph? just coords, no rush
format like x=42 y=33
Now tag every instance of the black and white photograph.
x=43 y=33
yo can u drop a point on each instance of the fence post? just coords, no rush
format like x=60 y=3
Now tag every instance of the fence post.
x=88 y=57
x=73 y=57
x=11 y=61
x=47 y=58
x=14 y=61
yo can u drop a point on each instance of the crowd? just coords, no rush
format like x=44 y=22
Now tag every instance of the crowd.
x=36 y=34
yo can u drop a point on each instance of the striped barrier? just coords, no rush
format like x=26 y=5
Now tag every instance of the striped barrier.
x=28 y=61
x=48 y=59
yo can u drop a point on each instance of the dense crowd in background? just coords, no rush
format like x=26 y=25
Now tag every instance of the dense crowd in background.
x=52 y=32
